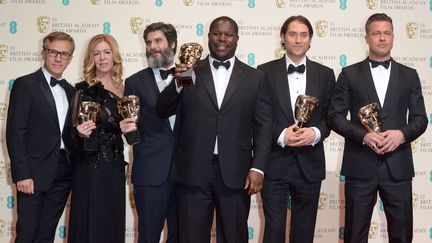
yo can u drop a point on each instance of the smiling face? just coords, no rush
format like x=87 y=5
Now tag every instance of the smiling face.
x=297 y=41
x=223 y=40
x=56 y=65
x=103 y=57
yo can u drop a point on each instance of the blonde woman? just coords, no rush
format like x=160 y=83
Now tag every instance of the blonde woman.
x=98 y=190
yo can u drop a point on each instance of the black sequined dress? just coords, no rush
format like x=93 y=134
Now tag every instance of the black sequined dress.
x=98 y=204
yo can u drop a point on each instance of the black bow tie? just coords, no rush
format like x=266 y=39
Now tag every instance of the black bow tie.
x=299 y=69
x=54 y=82
x=217 y=64
x=385 y=63
x=164 y=73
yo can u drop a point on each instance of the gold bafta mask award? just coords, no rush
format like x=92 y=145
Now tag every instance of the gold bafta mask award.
x=129 y=107
x=304 y=107
x=370 y=117
x=190 y=53
x=89 y=111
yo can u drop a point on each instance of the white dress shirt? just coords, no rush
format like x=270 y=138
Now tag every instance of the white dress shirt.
x=61 y=103
x=381 y=78
x=162 y=84
x=297 y=86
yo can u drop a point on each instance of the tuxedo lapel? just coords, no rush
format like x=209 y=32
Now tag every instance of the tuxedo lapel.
x=43 y=84
x=369 y=84
x=203 y=69
x=151 y=86
x=392 y=88
x=312 y=85
x=282 y=88
x=235 y=79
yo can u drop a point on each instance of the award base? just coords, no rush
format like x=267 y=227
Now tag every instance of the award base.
x=133 y=137
x=185 y=78
x=90 y=144
x=300 y=125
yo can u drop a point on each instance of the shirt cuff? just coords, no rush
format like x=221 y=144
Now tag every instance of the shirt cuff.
x=317 y=136
x=257 y=170
x=280 y=140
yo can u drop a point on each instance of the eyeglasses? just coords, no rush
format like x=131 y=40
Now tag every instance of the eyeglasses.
x=63 y=54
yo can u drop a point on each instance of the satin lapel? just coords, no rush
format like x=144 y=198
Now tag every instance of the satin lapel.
x=392 y=88
x=235 y=79
x=203 y=70
x=282 y=88
x=369 y=84
x=43 y=84
x=312 y=85
x=148 y=80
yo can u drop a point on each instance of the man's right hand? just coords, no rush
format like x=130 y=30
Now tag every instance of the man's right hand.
x=372 y=139
x=25 y=186
x=128 y=125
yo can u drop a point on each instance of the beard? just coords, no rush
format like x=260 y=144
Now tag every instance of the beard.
x=165 y=59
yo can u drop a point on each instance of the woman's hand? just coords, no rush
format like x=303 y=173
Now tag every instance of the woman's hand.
x=85 y=129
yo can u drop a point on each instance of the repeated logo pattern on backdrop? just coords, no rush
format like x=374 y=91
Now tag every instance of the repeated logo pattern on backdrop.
x=338 y=42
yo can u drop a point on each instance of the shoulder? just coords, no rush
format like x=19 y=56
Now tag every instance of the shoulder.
x=269 y=64
x=28 y=79
x=353 y=68
x=319 y=66
x=403 y=68
x=140 y=75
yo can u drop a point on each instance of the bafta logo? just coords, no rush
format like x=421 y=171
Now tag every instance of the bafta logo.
x=411 y=29
x=279 y=52
x=373 y=230
x=188 y=2
x=136 y=25
x=372 y=4
x=3 y=1
x=281 y=3
x=414 y=145
x=2 y=169
x=322 y=201
x=2 y=227
x=3 y=110
x=95 y=2
x=321 y=27
x=43 y=24
x=415 y=200
x=3 y=52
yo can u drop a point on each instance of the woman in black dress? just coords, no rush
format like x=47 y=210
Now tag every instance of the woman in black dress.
x=98 y=204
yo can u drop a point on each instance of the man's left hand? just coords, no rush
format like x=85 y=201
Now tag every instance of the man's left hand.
x=392 y=140
x=254 y=182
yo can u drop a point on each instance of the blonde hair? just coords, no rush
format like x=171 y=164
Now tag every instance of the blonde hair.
x=89 y=67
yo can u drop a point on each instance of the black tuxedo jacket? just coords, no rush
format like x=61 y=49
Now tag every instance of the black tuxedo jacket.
x=403 y=109
x=320 y=82
x=32 y=130
x=242 y=124
x=153 y=155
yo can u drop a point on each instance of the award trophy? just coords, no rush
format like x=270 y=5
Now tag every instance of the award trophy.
x=304 y=107
x=370 y=117
x=89 y=111
x=129 y=107
x=190 y=53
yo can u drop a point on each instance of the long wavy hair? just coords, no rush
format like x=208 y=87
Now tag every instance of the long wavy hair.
x=89 y=68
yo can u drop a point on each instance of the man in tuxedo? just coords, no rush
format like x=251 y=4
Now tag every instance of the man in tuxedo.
x=224 y=139
x=37 y=134
x=378 y=161
x=297 y=163
x=154 y=189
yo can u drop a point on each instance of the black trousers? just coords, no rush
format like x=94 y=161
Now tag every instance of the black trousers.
x=304 y=203
x=196 y=206
x=361 y=197
x=39 y=213
x=154 y=204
